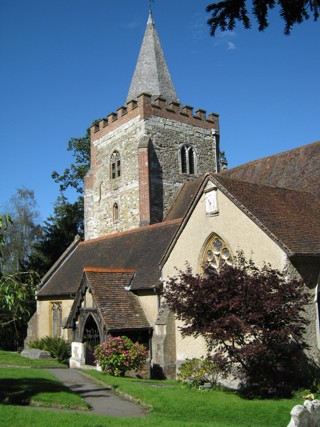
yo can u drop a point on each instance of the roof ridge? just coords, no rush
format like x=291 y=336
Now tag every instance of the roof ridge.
x=133 y=230
x=108 y=270
x=62 y=258
x=225 y=171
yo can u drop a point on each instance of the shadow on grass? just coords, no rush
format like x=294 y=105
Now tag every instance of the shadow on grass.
x=21 y=391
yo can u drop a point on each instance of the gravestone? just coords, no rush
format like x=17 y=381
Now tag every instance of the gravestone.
x=35 y=354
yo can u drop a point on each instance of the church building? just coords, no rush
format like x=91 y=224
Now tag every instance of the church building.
x=157 y=195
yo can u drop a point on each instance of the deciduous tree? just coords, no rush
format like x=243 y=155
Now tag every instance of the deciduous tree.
x=21 y=232
x=73 y=176
x=251 y=318
x=17 y=301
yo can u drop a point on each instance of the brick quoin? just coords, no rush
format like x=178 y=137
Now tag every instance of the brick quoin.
x=144 y=186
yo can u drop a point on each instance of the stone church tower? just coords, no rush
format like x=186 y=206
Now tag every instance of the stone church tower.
x=142 y=154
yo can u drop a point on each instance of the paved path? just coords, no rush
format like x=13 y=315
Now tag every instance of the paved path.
x=101 y=399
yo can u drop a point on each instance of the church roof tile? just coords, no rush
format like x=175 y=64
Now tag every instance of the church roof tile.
x=297 y=169
x=139 y=249
x=119 y=308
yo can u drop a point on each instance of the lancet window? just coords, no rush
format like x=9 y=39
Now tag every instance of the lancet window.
x=115 y=165
x=56 y=309
x=115 y=212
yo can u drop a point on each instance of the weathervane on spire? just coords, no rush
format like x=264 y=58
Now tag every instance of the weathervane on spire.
x=150 y=5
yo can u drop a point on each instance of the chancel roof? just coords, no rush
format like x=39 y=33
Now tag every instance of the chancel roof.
x=140 y=249
x=297 y=169
x=290 y=217
x=151 y=74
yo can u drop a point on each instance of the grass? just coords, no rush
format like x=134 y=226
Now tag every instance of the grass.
x=169 y=403
x=12 y=358
x=173 y=405
x=38 y=387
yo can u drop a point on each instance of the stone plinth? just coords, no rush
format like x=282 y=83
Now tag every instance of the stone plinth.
x=77 y=359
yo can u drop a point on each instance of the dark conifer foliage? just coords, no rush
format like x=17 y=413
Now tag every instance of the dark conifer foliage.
x=226 y=13
x=58 y=232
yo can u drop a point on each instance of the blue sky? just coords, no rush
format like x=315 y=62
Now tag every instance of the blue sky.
x=65 y=63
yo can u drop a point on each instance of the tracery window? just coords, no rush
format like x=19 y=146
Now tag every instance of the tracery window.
x=187 y=159
x=216 y=254
x=56 y=309
x=115 y=165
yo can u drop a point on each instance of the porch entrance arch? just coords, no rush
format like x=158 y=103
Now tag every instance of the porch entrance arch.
x=91 y=338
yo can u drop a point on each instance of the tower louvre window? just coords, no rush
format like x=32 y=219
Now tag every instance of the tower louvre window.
x=115 y=165
x=187 y=159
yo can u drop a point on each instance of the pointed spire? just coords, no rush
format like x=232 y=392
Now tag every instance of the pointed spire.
x=151 y=74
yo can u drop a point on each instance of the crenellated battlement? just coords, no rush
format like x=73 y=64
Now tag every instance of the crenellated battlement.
x=145 y=106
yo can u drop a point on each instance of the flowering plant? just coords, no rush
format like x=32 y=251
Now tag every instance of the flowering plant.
x=119 y=355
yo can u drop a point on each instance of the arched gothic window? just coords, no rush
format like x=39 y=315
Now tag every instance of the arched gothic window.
x=56 y=308
x=115 y=212
x=115 y=165
x=216 y=254
x=187 y=159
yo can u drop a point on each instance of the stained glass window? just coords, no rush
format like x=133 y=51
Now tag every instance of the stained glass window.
x=216 y=254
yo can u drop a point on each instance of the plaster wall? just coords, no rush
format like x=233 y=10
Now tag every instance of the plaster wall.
x=149 y=304
x=238 y=231
x=44 y=316
x=233 y=226
x=188 y=347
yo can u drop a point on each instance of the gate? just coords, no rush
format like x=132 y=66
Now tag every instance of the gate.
x=91 y=339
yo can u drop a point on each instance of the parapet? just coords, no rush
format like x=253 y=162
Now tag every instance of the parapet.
x=146 y=106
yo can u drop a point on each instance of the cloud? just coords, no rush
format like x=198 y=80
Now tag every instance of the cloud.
x=223 y=39
x=198 y=28
x=231 y=46
x=132 y=25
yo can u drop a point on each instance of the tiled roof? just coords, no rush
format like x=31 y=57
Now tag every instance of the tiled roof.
x=140 y=249
x=298 y=169
x=120 y=308
x=184 y=199
x=291 y=217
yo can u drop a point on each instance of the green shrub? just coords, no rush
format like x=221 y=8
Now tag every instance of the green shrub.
x=194 y=373
x=57 y=346
x=119 y=355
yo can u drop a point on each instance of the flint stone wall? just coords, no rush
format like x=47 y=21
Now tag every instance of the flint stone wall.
x=164 y=137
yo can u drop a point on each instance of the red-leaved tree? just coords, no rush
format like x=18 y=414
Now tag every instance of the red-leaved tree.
x=251 y=318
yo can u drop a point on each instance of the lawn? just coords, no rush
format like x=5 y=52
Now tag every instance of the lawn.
x=169 y=404
x=12 y=358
